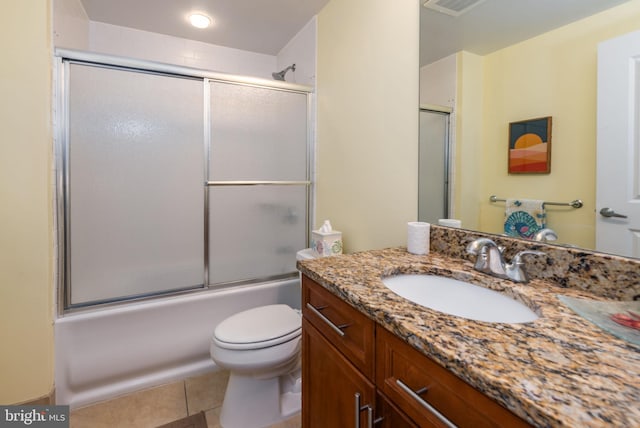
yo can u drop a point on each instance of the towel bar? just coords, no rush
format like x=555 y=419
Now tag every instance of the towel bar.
x=574 y=204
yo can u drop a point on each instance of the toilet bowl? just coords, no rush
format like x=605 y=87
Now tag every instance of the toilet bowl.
x=261 y=349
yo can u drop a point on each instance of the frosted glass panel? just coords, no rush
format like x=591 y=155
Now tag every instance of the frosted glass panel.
x=255 y=231
x=432 y=171
x=136 y=172
x=257 y=133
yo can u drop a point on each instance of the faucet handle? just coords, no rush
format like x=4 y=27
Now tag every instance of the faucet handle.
x=489 y=257
x=517 y=259
x=479 y=246
x=515 y=269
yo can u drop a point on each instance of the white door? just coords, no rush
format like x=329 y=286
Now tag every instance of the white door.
x=618 y=146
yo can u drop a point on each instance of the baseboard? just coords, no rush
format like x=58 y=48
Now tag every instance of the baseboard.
x=45 y=400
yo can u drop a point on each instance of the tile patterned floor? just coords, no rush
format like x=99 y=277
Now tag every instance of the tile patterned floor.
x=160 y=405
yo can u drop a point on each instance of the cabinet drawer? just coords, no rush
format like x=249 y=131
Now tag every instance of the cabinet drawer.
x=351 y=332
x=415 y=383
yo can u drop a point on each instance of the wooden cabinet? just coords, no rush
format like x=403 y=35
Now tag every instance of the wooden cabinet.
x=331 y=385
x=351 y=332
x=349 y=363
x=337 y=361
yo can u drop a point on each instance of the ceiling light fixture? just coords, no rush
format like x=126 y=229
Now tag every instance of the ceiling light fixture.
x=199 y=20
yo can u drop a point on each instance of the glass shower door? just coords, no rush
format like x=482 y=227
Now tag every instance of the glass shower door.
x=258 y=182
x=433 y=166
x=134 y=174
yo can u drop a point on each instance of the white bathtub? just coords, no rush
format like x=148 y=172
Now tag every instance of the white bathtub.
x=108 y=352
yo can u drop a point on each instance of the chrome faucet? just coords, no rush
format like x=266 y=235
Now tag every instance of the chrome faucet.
x=545 y=235
x=490 y=260
x=489 y=257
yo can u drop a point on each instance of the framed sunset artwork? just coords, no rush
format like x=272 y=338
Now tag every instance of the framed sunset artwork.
x=530 y=146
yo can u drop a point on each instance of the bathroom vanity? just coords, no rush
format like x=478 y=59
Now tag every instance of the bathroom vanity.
x=404 y=365
x=351 y=360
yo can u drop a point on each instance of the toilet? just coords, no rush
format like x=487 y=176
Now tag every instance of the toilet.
x=261 y=349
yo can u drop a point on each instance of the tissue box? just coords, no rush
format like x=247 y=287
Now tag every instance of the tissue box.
x=326 y=244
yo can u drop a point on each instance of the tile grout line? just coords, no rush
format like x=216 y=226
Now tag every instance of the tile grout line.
x=186 y=398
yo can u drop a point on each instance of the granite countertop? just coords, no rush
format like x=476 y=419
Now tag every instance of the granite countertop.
x=560 y=370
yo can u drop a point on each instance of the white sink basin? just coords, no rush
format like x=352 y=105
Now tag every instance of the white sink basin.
x=459 y=298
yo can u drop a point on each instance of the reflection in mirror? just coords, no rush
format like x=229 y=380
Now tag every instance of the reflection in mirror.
x=491 y=67
x=433 y=161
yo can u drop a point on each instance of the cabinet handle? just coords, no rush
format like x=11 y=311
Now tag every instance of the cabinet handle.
x=327 y=320
x=424 y=404
x=359 y=409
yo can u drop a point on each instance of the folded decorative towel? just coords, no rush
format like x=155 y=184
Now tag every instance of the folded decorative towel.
x=524 y=217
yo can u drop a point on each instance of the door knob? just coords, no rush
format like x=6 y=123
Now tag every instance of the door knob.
x=608 y=212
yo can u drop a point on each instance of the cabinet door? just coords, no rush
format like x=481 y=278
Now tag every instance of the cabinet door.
x=330 y=384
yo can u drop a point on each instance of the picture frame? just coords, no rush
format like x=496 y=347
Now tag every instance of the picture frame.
x=530 y=146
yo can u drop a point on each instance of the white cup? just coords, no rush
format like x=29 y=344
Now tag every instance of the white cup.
x=450 y=222
x=418 y=237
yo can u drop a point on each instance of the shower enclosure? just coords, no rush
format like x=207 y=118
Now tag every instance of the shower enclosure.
x=172 y=180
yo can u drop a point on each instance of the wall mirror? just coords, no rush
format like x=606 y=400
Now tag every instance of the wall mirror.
x=493 y=62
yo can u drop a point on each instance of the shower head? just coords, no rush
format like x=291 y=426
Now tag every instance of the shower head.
x=280 y=75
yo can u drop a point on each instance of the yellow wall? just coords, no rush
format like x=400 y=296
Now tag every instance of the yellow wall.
x=551 y=75
x=367 y=159
x=466 y=183
x=26 y=308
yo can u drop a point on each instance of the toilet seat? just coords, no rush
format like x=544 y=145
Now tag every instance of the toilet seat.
x=258 y=328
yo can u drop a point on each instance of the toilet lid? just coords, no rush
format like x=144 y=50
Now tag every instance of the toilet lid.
x=259 y=327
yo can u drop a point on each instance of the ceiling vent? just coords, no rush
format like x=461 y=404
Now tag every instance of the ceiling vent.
x=452 y=7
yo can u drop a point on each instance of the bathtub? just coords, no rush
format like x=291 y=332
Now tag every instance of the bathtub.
x=104 y=353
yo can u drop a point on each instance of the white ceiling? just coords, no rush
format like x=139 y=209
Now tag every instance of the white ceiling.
x=495 y=24
x=263 y=26
x=266 y=26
